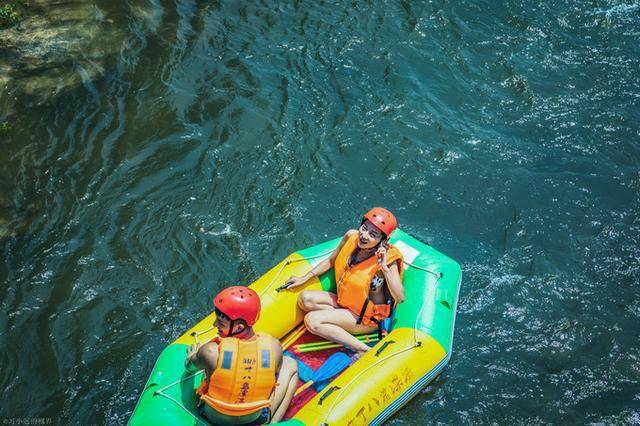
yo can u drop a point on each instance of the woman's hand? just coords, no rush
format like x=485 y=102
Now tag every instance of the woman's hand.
x=295 y=281
x=381 y=257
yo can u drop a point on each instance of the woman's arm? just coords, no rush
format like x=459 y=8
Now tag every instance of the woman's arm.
x=321 y=267
x=394 y=282
x=391 y=275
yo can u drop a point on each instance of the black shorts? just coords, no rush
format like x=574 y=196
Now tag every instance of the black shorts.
x=264 y=418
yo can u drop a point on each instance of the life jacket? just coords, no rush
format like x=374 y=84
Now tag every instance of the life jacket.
x=353 y=283
x=244 y=377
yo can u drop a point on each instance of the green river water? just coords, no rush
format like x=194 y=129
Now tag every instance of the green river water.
x=196 y=144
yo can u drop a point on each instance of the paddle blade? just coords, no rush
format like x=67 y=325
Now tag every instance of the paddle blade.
x=304 y=371
x=335 y=364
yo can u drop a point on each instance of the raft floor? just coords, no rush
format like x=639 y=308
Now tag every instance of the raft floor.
x=311 y=360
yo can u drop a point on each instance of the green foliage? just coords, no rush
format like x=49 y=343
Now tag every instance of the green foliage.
x=8 y=14
x=5 y=126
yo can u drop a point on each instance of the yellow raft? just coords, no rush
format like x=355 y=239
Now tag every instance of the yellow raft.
x=416 y=348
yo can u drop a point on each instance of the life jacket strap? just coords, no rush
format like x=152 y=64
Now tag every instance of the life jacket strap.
x=379 y=324
x=363 y=310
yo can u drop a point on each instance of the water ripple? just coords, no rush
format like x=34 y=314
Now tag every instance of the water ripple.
x=220 y=137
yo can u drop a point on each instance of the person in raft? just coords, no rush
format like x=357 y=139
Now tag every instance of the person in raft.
x=247 y=378
x=368 y=273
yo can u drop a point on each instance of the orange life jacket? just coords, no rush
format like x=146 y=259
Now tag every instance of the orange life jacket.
x=244 y=377
x=353 y=282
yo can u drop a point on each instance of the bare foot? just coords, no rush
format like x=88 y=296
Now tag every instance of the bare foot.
x=357 y=355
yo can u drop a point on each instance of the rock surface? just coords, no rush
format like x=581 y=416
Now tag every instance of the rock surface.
x=55 y=46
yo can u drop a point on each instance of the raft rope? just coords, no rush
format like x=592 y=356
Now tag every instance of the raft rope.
x=160 y=392
x=289 y=262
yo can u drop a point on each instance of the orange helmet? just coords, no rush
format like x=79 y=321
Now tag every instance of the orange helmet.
x=383 y=219
x=239 y=302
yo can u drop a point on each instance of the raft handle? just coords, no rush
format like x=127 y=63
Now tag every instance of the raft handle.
x=327 y=393
x=444 y=297
x=283 y=287
x=384 y=346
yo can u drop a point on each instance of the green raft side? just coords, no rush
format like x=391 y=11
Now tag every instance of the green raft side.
x=291 y=422
x=431 y=298
x=154 y=408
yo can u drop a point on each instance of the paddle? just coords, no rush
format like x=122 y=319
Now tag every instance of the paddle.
x=293 y=336
x=283 y=287
x=304 y=371
x=332 y=366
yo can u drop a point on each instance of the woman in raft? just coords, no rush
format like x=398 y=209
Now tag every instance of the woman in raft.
x=368 y=273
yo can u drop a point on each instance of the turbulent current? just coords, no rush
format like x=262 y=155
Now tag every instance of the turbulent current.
x=194 y=144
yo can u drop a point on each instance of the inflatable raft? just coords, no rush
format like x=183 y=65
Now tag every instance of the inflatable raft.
x=415 y=349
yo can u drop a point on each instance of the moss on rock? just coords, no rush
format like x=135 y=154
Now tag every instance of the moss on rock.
x=9 y=14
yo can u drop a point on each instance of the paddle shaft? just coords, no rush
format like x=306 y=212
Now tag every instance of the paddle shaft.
x=363 y=337
x=366 y=338
x=322 y=348
x=293 y=337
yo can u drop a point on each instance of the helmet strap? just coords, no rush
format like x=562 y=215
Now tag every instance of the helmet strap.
x=231 y=332
x=245 y=333
x=240 y=334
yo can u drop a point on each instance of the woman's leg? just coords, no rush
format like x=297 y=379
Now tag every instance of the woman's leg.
x=338 y=325
x=285 y=388
x=316 y=300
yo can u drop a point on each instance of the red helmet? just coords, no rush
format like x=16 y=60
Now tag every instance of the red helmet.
x=383 y=219
x=239 y=302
